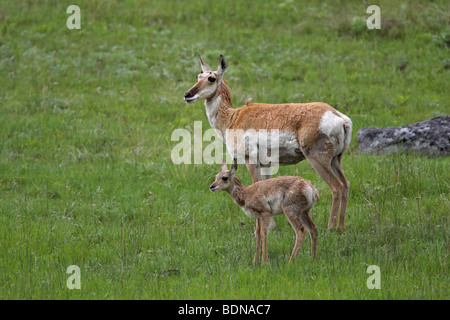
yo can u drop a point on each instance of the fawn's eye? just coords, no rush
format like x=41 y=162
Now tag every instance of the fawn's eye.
x=224 y=178
x=211 y=79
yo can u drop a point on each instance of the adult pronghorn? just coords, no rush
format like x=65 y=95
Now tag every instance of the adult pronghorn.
x=313 y=131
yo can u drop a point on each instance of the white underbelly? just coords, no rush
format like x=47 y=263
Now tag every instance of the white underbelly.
x=279 y=146
x=273 y=203
x=250 y=213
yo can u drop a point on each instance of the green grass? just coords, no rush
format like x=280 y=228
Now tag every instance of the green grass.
x=86 y=176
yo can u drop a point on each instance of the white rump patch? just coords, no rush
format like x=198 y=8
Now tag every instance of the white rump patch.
x=348 y=128
x=334 y=127
x=310 y=193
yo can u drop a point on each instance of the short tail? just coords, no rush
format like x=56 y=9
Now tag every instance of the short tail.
x=347 y=133
x=315 y=194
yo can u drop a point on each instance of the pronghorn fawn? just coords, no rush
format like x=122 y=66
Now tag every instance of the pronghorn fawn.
x=292 y=196
x=313 y=131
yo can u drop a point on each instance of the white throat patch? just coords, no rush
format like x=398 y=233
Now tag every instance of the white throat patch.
x=212 y=108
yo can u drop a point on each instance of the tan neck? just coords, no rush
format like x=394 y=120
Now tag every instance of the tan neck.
x=238 y=192
x=219 y=108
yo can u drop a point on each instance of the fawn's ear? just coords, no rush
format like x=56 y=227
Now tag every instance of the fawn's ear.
x=224 y=165
x=234 y=166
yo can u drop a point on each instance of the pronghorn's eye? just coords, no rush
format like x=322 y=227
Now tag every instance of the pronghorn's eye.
x=224 y=178
x=211 y=79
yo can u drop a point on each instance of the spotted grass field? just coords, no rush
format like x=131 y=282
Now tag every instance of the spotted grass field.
x=86 y=176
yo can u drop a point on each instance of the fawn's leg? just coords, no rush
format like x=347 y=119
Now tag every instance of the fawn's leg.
x=300 y=232
x=258 y=241
x=255 y=173
x=264 y=228
x=312 y=229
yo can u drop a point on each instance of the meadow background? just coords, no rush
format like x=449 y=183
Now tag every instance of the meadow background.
x=86 y=176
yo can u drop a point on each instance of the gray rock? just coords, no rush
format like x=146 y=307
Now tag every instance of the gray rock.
x=430 y=137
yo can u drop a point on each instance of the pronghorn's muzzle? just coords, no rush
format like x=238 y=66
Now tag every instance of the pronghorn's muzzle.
x=190 y=96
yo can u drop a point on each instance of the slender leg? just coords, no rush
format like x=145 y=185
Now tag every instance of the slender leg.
x=312 y=229
x=255 y=173
x=300 y=233
x=253 y=169
x=258 y=241
x=337 y=169
x=272 y=223
x=264 y=228
x=326 y=173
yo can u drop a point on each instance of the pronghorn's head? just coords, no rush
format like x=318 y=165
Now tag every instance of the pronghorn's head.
x=225 y=178
x=207 y=82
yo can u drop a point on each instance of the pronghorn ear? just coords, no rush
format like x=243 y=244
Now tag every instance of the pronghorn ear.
x=204 y=65
x=224 y=165
x=234 y=166
x=222 y=65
